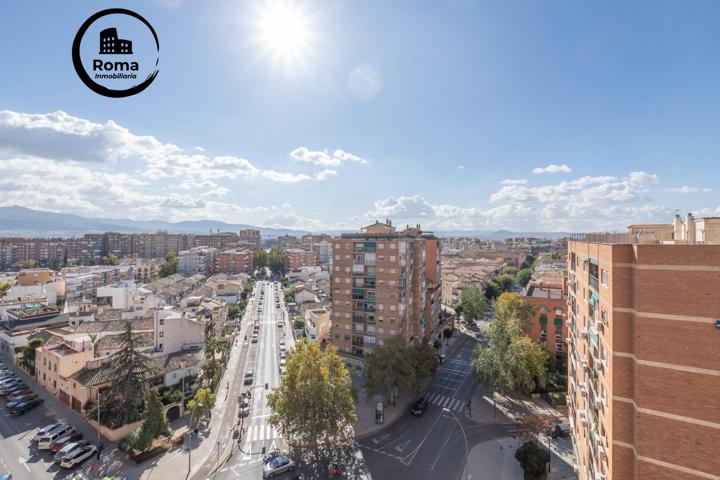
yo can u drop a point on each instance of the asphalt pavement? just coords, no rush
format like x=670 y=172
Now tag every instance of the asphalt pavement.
x=434 y=445
x=258 y=436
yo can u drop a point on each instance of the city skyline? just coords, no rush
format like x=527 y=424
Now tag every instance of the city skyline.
x=339 y=121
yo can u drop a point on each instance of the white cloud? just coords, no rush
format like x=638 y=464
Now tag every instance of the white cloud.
x=318 y=157
x=510 y=181
x=461 y=167
x=365 y=82
x=687 y=189
x=552 y=168
x=642 y=177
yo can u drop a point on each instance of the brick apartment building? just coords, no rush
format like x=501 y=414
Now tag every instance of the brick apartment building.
x=547 y=292
x=644 y=367
x=384 y=282
x=294 y=258
x=250 y=238
x=233 y=262
x=93 y=246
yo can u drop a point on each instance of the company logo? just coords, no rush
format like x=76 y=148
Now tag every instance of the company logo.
x=116 y=67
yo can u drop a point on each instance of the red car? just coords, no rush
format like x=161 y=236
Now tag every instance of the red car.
x=18 y=393
x=64 y=440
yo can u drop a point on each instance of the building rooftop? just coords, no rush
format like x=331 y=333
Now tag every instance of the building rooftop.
x=544 y=292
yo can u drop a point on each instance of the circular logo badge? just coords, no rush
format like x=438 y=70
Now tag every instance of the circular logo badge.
x=116 y=53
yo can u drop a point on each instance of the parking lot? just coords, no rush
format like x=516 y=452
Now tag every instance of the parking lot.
x=20 y=455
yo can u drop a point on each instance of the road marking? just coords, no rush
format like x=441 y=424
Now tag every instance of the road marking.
x=23 y=462
x=402 y=446
x=411 y=456
x=380 y=438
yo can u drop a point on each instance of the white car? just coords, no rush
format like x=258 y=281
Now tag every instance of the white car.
x=46 y=440
x=277 y=466
x=78 y=457
x=48 y=429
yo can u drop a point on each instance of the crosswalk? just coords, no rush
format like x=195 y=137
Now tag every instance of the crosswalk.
x=257 y=433
x=443 y=401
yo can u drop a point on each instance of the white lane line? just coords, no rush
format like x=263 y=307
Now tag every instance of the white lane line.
x=445 y=403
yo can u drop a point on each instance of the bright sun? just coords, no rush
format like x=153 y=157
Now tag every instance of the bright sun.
x=284 y=32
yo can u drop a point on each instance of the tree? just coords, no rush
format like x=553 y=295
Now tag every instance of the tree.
x=123 y=402
x=276 y=262
x=299 y=324
x=492 y=290
x=260 y=259
x=110 y=260
x=155 y=423
x=424 y=362
x=289 y=297
x=203 y=400
x=511 y=270
x=28 y=354
x=5 y=286
x=505 y=282
x=511 y=361
x=473 y=303
x=533 y=460
x=523 y=276
x=234 y=310
x=512 y=306
x=528 y=262
x=169 y=266
x=389 y=368
x=314 y=401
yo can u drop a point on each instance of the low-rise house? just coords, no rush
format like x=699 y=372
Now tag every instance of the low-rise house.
x=304 y=295
x=175 y=331
x=317 y=326
x=22 y=322
x=57 y=359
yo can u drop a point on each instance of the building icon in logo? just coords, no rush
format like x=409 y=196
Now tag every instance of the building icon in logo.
x=111 y=44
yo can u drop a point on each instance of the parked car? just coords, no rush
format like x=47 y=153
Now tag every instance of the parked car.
x=419 y=407
x=8 y=385
x=255 y=338
x=47 y=429
x=26 y=407
x=21 y=399
x=20 y=389
x=277 y=466
x=78 y=457
x=249 y=377
x=272 y=454
x=68 y=449
x=59 y=443
x=441 y=358
x=6 y=476
x=282 y=365
x=47 y=439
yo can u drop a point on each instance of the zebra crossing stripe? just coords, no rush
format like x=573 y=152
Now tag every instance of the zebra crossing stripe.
x=454 y=405
x=431 y=397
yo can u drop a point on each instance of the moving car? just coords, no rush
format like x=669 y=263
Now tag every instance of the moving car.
x=26 y=407
x=60 y=442
x=419 y=407
x=278 y=465
x=244 y=407
x=78 y=456
x=68 y=449
x=249 y=377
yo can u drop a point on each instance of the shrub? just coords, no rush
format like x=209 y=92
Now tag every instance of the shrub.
x=533 y=459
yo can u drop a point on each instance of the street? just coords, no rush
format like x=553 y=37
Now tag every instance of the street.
x=433 y=446
x=258 y=436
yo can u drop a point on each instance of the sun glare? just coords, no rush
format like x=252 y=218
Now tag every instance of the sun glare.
x=284 y=32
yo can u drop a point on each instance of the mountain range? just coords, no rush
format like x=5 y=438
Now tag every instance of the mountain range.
x=26 y=222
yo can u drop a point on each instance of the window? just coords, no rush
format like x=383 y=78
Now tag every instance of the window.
x=392 y=258
x=160 y=347
x=604 y=278
x=161 y=334
x=392 y=246
x=381 y=258
x=558 y=311
x=381 y=246
x=543 y=309
x=162 y=321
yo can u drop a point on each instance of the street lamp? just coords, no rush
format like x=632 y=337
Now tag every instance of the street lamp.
x=447 y=410
x=189 y=434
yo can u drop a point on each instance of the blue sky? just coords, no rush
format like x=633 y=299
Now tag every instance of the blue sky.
x=444 y=113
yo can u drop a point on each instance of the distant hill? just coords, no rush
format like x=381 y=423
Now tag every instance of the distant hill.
x=25 y=222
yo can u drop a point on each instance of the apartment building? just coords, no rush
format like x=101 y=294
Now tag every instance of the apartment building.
x=384 y=283
x=547 y=292
x=196 y=260
x=250 y=238
x=644 y=363
x=295 y=258
x=84 y=281
x=234 y=262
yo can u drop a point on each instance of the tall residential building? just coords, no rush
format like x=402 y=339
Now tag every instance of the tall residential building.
x=295 y=258
x=196 y=260
x=250 y=238
x=644 y=363
x=234 y=262
x=384 y=282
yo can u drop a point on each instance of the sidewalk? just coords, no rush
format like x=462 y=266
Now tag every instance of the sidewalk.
x=509 y=408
